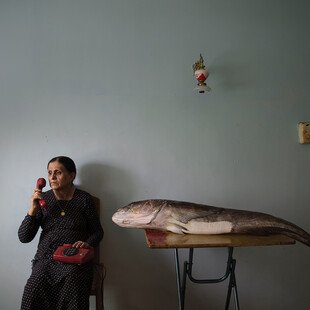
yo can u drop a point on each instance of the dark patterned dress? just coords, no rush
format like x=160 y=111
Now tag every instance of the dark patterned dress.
x=56 y=285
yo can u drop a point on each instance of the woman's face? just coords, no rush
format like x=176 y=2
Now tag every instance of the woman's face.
x=58 y=176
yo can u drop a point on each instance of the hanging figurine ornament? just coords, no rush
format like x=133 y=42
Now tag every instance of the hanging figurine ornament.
x=201 y=74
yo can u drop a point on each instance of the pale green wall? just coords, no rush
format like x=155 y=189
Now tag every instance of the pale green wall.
x=109 y=83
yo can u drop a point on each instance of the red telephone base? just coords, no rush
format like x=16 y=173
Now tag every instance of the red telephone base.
x=67 y=254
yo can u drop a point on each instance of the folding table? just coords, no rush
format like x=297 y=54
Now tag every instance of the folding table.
x=165 y=240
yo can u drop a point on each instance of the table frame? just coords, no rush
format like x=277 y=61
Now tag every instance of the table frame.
x=166 y=240
x=187 y=273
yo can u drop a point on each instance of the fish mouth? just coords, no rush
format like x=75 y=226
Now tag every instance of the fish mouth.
x=117 y=220
x=135 y=217
x=128 y=222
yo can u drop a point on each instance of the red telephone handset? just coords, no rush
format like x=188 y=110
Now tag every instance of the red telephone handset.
x=40 y=184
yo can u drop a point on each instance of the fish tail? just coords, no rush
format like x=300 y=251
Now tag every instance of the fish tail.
x=295 y=232
x=300 y=236
x=273 y=225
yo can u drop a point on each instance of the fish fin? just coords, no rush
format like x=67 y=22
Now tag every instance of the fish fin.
x=176 y=226
x=175 y=229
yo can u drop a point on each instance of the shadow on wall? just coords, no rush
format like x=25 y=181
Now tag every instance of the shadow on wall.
x=134 y=272
x=111 y=185
x=231 y=75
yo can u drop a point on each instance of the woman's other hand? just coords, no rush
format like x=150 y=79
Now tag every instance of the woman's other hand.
x=80 y=244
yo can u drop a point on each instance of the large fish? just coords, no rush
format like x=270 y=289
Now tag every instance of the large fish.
x=191 y=218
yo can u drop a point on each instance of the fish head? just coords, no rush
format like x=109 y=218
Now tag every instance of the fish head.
x=138 y=214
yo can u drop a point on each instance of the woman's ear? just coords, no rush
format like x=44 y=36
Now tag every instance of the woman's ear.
x=73 y=175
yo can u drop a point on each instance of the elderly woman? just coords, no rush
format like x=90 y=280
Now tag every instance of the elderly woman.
x=69 y=218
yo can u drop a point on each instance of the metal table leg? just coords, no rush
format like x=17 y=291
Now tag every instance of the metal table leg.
x=232 y=286
x=180 y=286
x=187 y=272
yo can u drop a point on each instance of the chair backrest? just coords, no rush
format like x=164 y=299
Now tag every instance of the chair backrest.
x=97 y=250
x=99 y=270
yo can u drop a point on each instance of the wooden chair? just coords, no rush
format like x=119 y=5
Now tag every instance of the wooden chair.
x=99 y=271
